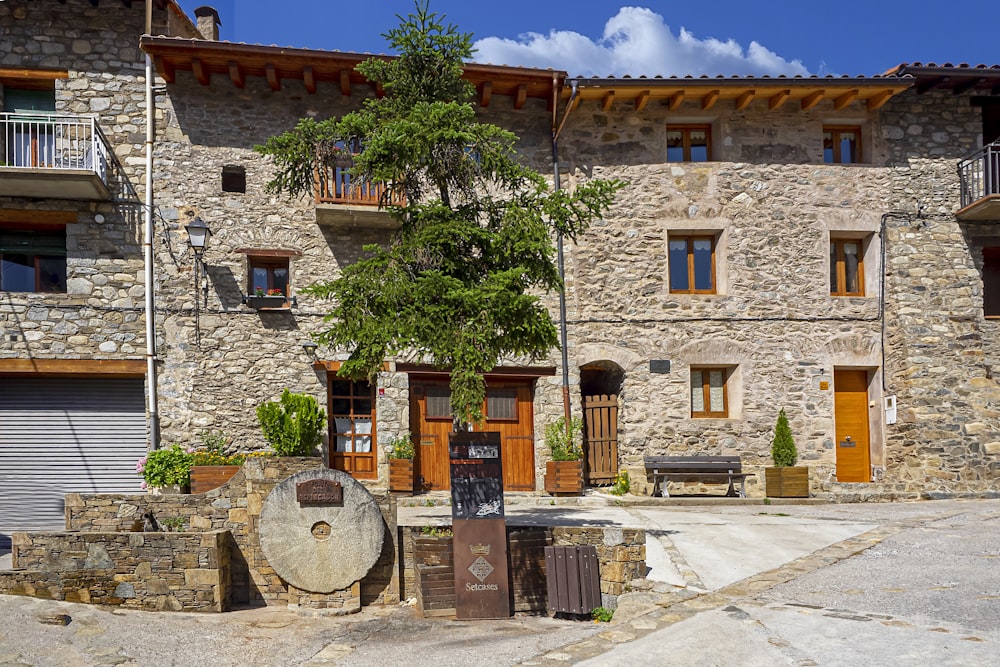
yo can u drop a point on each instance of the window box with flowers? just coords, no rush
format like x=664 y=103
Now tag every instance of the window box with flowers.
x=272 y=299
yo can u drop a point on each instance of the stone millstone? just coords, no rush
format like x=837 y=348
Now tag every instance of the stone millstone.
x=319 y=548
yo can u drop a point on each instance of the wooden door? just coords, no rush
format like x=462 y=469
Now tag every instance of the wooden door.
x=600 y=438
x=509 y=410
x=851 y=418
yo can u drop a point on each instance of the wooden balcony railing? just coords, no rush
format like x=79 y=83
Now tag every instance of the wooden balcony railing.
x=335 y=185
x=979 y=174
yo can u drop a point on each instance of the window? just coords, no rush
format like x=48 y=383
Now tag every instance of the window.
x=268 y=276
x=234 y=178
x=31 y=137
x=692 y=264
x=32 y=259
x=353 y=441
x=991 y=282
x=501 y=404
x=847 y=267
x=841 y=144
x=438 y=402
x=689 y=143
x=709 y=395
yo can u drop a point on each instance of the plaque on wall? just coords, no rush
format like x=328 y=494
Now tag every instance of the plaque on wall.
x=659 y=366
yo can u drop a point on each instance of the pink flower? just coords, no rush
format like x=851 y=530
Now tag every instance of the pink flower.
x=190 y=450
x=143 y=486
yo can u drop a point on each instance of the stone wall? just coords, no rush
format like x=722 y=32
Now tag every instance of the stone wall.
x=149 y=571
x=236 y=507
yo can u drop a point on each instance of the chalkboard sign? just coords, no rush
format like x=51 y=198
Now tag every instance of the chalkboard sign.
x=476 y=476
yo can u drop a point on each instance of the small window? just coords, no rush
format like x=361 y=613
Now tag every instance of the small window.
x=501 y=404
x=234 y=178
x=268 y=276
x=709 y=394
x=847 y=276
x=842 y=145
x=32 y=260
x=352 y=411
x=438 y=399
x=991 y=282
x=692 y=264
x=689 y=143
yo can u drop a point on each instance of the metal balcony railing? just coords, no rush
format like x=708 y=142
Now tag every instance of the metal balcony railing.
x=43 y=141
x=980 y=174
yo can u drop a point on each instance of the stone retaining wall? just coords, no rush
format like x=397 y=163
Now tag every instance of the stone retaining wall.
x=150 y=571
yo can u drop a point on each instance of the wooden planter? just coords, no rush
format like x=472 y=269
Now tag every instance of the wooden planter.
x=787 y=482
x=564 y=477
x=206 y=478
x=434 y=568
x=401 y=475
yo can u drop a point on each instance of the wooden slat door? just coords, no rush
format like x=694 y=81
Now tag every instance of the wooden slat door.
x=851 y=419
x=430 y=435
x=517 y=441
x=600 y=438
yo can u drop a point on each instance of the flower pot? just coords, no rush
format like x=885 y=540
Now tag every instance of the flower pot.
x=401 y=475
x=170 y=489
x=564 y=477
x=787 y=482
x=206 y=478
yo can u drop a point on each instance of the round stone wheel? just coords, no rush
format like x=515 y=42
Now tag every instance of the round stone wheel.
x=316 y=547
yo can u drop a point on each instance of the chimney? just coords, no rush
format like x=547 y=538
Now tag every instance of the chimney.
x=208 y=22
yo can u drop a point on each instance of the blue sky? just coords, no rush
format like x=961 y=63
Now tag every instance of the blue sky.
x=603 y=38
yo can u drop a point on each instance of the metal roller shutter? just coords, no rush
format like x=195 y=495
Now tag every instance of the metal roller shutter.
x=65 y=435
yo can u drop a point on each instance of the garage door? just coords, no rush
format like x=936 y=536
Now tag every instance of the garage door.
x=65 y=435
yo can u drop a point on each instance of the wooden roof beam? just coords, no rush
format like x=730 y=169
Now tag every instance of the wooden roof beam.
x=812 y=99
x=674 y=101
x=932 y=83
x=876 y=101
x=521 y=96
x=778 y=100
x=309 y=79
x=967 y=85
x=165 y=68
x=744 y=100
x=200 y=72
x=236 y=74
x=641 y=100
x=608 y=100
x=345 y=83
x=709 y=99
x=844 y=99
x=485 y=93
x=272 y=77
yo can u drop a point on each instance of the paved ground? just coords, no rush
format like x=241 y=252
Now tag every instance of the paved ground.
x=875 y=584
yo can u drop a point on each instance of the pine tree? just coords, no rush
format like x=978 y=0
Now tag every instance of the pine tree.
x=459 y=284
x=783 y=446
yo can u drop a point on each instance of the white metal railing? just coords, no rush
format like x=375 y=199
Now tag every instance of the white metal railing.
x=980 y=174
x=40 y=140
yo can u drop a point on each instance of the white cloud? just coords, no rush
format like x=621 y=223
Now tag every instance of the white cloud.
x=636 y=41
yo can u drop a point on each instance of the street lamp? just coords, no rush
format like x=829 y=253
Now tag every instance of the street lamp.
x=198 y=233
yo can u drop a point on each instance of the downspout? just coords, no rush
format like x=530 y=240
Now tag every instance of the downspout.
x=559 y=251
x=153 y=425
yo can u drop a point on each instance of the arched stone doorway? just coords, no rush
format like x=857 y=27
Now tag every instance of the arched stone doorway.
x=600 y=386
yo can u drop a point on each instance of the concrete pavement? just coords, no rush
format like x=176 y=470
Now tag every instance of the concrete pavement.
x=874 y=584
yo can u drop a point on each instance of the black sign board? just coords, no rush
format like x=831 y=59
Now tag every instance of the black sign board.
x=476 y=476
x=659 y=366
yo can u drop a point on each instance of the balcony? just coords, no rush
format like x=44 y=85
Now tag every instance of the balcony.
x=980 y=178
x=345 y=201
x=55 y=156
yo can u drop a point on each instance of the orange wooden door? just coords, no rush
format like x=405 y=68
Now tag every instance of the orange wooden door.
x=851 y=418
x=430 y=424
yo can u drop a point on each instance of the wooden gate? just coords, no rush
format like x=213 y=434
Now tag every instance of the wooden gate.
x=600 y=438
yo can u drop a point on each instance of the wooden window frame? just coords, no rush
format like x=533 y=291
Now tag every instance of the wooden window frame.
x=835 y=132
x=270 y=263
x=686 y=129
x=354 y=394
x=447 y=392
x=706 y=389
x=506 y=390
x=841 y=266
x=690 y=239
x=37 y=256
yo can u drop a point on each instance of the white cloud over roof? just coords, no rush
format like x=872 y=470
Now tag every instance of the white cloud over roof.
x=636 y=42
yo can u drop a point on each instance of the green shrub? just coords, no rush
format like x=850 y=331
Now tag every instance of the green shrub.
x=294 y=425
x=602 y=614
x=783 y=447
x=402 y=447
x=622 y=484
x=165 y=467
x=214 y=442
x=564 y=446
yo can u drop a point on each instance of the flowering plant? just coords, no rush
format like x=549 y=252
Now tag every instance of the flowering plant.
x=165 y=467
x=275 y=292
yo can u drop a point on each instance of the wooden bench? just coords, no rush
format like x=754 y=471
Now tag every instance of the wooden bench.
x=704 y=469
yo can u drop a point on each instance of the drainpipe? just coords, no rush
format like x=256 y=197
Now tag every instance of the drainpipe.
x=559 y=254
x=153 y=425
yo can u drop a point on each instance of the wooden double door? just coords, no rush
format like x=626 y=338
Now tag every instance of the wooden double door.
x=509 y=410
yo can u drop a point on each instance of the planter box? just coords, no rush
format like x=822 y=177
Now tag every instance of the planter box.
x=564 y=477
x=434 y=567
x=172 y=489
x=206 y=478
x=788 y=482
x=268 y=302
x=401 y=475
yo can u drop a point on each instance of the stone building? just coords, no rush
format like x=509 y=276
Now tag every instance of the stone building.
x=795 y=243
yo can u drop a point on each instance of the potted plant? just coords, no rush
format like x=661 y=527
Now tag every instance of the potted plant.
x=564 y=472
x=785 y=479
x=400 y=456
x=294 y=425
x=211 y=467
x=267 y=299
x=166 y=470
